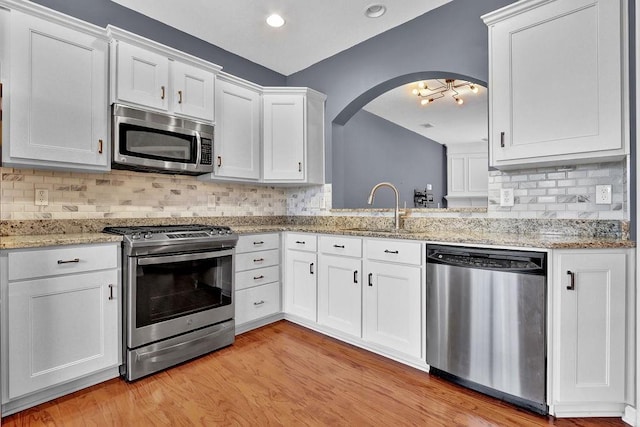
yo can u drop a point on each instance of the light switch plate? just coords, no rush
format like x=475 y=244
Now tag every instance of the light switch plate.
x=603 y=194
x=506 y=197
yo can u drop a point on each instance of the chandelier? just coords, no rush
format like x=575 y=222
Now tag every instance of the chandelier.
x=427 y=94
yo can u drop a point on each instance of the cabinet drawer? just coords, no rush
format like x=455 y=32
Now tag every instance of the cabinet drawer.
x=394 y=251
x=257 y=302
x=337 y=245
x=257 y=242
x=61 y=260
x=302 y=242
x=259 y=276
x=253 y=260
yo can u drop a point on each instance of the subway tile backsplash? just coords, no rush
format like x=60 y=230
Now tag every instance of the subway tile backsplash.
x=124 y=194
x=561 y=192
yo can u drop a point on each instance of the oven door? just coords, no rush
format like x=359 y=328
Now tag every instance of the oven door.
x=172 y=294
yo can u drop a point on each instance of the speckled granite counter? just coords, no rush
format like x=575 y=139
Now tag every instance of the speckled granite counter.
x=42 y=240
x=549 y=234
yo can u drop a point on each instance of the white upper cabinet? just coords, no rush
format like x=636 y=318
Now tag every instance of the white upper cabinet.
x=293 y=142
x=557 y=78
x=55 y=91
x=154 y=76
x=467 y=175
x=238 y=120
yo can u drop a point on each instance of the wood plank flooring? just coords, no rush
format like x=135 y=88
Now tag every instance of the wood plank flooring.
x=284 y=374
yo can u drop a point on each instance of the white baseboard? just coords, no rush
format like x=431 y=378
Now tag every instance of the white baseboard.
x=630 y=416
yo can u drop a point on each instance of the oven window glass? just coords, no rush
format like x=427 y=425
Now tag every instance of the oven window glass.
x=174 y=289
x=157 y=144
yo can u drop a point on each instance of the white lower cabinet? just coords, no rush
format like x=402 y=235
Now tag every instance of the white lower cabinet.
x=340 y=285
x=257 y=280
x=300 y=276
x=589 y=332
x=391 y=306
x=61 y=328
x=63 y=317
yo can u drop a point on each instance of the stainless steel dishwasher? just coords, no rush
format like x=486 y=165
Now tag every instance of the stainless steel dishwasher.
x=486 y=321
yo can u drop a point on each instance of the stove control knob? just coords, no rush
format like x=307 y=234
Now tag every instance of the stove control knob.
x=229 y=232
x=148 y=235
x=220 y=231
x=211 y=232
x=135 y=236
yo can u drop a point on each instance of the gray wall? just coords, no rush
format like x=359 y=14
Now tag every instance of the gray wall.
x=371 y=145
x=104 y=12
x=450 y=40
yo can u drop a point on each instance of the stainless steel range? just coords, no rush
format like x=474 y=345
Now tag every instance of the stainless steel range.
x=178 y=294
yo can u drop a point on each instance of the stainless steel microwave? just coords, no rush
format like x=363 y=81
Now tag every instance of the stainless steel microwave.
x=155 y=142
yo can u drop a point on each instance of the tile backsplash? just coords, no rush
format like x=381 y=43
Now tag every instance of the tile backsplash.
x=561 y=192
x=124 y=194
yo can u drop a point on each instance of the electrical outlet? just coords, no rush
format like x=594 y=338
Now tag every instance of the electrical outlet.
x=603 y=194
x=506 y=197
x=42 y=197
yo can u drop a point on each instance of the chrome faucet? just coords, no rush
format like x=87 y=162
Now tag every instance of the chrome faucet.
x=395 y=190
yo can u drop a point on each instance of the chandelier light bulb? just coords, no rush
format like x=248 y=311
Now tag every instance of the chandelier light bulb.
x=424 y=101
x=459 y=101
x=415 y=91
x=421 y=85
x=474 y=88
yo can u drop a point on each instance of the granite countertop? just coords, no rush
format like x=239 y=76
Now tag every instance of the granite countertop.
x=532 y=240
x=42 y=240
x=543 y=241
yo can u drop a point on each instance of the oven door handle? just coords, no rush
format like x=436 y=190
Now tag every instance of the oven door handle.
x=183 y=257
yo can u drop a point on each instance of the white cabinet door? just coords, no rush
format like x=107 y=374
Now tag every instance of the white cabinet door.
x=58 y=112
x=237 y=145
x=192 y=91
x=391 y=306
x=556 y=82
x=142 y=77
x=340 y=293
x=284 y=137
x=589 y=327
x=62 y=328
x=301 y=284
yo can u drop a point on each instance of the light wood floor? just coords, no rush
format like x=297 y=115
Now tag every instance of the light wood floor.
x=284 y=374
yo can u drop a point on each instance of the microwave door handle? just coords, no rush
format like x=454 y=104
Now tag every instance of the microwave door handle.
x=198 y=148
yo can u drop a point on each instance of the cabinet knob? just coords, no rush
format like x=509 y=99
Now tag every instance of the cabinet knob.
x=572 y=280
x=162 y=92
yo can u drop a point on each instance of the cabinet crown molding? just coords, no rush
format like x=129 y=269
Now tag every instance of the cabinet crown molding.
x=287 y=90
x=513 y=9
x=54 y=16
x=118 y=34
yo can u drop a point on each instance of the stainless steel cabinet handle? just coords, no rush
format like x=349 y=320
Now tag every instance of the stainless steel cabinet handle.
x=339 y=246
x=311 y=268
x=162 y=94
x=572 y=280
x=68 y=261
x=258 y=260
x=111 y=292
x=258 y=243
x=259 y=302
x=370 y=279
x=179 y=97
x=502 y=139
x=355 y=276
x=387 y=251
x=301 y=242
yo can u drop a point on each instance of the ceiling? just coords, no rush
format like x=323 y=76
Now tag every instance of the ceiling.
x=314 y=29
x=450 y=123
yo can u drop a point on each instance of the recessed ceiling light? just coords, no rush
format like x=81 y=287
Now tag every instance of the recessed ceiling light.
x=275 y=20
x=375 y=11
